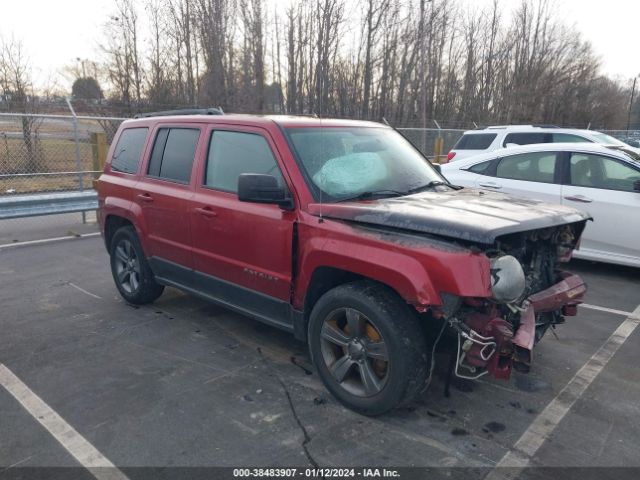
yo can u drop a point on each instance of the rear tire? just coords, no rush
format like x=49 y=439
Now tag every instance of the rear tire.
x=131 y=272
x=368 y=347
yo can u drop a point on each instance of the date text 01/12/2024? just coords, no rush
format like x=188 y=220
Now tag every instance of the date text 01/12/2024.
x=315 y=472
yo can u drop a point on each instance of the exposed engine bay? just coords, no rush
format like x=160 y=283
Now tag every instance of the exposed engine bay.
x=530 y=295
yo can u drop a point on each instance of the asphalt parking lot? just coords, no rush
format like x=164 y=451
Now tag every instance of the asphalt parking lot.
x=182 y=383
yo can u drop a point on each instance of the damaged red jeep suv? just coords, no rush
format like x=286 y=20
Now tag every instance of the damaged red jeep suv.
x=342 y=233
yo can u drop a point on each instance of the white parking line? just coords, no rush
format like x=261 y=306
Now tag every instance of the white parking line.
x=48 y=240
x=85 y=453
x=538 y=432
x=84 y=291
x=605 y=309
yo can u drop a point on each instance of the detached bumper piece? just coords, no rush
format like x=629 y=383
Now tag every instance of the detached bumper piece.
x=488 y=344
x=568 y=292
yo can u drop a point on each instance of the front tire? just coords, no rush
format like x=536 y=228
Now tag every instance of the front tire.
x=131 y=272
x=368 y=347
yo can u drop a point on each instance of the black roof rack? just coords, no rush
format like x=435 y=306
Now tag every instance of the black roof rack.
x=182 y=111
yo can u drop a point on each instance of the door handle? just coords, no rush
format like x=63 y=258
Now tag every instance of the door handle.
x=578 y=198
x=206 y=211
x=145 y=197
x=492 y=185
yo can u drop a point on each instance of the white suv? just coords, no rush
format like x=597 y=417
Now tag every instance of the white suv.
x=474 y=142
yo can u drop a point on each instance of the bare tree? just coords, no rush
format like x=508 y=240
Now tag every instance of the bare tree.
x=375 y=14
x=122 y=52
x=159 y=88
x=253 y=70
x=410 y=61
x=215 y=34
x=18 y=94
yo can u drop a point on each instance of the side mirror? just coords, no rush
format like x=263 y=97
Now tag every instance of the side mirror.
x=258 y=188
x=636 y=185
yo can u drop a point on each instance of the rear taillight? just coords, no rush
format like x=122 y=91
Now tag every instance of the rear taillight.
x=450 y=155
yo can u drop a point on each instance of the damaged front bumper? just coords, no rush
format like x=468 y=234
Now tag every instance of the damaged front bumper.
x=489 y=344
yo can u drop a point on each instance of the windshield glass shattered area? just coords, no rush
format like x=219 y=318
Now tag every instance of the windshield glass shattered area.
x=345 y=162
x=352 y=173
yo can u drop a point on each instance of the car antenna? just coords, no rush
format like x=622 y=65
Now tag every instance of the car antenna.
x=322 y=153
x=406 y=138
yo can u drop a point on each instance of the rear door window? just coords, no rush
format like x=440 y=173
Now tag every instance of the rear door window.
x=475 y=141
x=173 y=153
x=126 y=156
x=531 y=167
x=528 y=138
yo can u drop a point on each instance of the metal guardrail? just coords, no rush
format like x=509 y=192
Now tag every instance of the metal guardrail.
x=22 y=206
x=45 y=174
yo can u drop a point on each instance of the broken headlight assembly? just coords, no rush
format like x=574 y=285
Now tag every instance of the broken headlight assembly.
x=507 y=279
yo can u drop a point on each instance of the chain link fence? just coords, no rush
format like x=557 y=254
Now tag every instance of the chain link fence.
x=50 y=153
x=434 y=143
x=44 y=153
x=632 y=137
x=56 y=153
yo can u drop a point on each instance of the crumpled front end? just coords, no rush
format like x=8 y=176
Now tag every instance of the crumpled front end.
x=489 y=343
x=530 y=295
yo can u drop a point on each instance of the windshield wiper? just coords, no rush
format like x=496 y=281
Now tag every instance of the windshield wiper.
x=431 y=184
x=369 y=195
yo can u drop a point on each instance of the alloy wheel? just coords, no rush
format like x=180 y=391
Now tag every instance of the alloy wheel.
x=127 y=266
x=354 y=352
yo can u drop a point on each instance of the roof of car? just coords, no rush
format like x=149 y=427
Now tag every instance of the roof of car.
x=538 y=147
x=254 y=120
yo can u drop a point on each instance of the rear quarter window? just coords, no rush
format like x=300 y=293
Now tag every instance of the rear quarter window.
x=128 y=150
x=480 y=168
x=527 y=138
x=569 y=138
x=475 y=141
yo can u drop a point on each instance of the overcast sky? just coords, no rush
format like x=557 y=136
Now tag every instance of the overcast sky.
x=55 y=33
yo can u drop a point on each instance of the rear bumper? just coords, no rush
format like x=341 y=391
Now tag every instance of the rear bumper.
x=515 y=348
